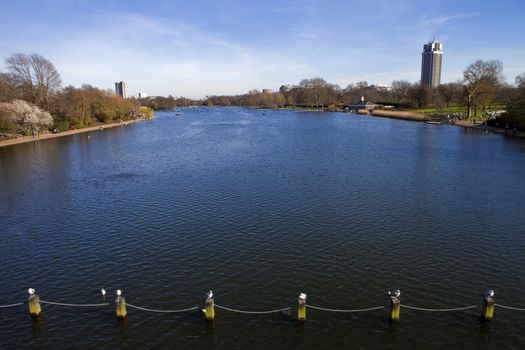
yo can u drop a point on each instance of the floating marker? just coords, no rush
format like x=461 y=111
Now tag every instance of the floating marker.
x=487 y=312
x=301 y=309
x=395 y=304
x=34 y=304
x=121 y=305
x=210 y=307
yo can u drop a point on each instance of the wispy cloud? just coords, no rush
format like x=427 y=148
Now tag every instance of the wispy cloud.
x=438 y=21
x=159 y=57
x=201 y=48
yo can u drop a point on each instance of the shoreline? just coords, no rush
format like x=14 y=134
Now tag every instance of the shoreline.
x=479 y=126
x=26 y=139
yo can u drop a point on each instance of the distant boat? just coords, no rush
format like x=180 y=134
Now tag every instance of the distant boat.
x=434 y=123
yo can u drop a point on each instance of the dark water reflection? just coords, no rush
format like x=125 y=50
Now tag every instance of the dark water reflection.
x=259 y=208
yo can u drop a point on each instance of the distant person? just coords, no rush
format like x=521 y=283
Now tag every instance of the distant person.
x=506 y=127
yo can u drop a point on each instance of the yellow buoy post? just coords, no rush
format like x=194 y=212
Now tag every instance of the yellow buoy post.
x=395 y=304
x=487 y=312
x=121 y=305
x=34 y=304
x=301 y=308
x=210 y=307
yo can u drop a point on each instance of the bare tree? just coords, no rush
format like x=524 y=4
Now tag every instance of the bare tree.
x=36 y=74
x=8 y=89
x=480 y=80
x=520 y=81
x=401 y=90
x=449 y=92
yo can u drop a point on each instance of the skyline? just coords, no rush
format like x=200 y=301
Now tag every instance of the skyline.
x=200 y=48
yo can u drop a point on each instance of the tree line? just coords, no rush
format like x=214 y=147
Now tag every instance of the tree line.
x=481 y=87
x=32 y=99
x=31 y=93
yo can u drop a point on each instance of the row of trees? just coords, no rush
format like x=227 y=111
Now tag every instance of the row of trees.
x=167 y=103
x=79 y=107
x=34 y=79
x=31 y=99
x=516 y=108
x=481 y=86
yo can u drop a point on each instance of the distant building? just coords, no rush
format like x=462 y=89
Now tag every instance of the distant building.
x=286 y=88
x=431 y=64
x=267 y=91
x=382 y=87
x=143 y=94
x=363 y=104
x=120 y=89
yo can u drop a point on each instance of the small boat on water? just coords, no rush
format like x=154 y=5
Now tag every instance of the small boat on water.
x=432 y=122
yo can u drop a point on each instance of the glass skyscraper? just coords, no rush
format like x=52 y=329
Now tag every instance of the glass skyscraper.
x=431 y=64
x=120 y=89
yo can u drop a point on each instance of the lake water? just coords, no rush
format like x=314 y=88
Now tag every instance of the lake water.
x=259 y=206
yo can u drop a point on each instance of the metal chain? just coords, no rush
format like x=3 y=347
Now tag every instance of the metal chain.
x=438 y=310
x=339 y=310
x=161 y=311
x=510 y=307
x=11 y=305
x=252 y=312
x=73 y=305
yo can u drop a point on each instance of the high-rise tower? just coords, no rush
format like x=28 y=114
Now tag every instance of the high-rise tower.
x=120 y=89
x=431 y=64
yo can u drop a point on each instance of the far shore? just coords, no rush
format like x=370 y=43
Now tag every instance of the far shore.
x=479 y=126
x=40 y=137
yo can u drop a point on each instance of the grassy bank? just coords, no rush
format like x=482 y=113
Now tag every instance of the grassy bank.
x=456 y=109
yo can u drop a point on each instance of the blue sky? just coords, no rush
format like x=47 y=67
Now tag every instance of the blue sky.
x=198 y=48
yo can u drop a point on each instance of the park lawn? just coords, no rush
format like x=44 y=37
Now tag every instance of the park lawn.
x=455 y=109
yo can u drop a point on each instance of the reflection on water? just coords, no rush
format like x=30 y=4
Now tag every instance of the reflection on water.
x=258 y=208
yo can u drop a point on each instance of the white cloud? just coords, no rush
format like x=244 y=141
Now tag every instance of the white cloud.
x=431 y=22
x=166 y=55
x=156 y=56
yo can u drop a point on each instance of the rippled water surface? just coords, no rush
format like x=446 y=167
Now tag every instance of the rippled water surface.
x=259 y=206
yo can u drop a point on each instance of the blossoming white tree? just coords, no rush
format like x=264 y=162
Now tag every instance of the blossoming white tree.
x=28 y=117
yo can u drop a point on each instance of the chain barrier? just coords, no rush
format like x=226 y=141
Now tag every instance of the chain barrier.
x=252 y=312
x=269 y=311
x=161 y=311
x=510 y=307
x=11 y=305
x=73 y=305
x=438 y=310
x=340 y=310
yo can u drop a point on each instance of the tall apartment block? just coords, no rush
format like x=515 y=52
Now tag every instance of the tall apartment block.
x=431 y=64
x=120 y=89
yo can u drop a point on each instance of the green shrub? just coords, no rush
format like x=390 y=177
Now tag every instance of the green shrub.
x=61 y=125
x=145 y=112
x=75 y=123
x=88 y=121
x=7 y=126
x=105 y=115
